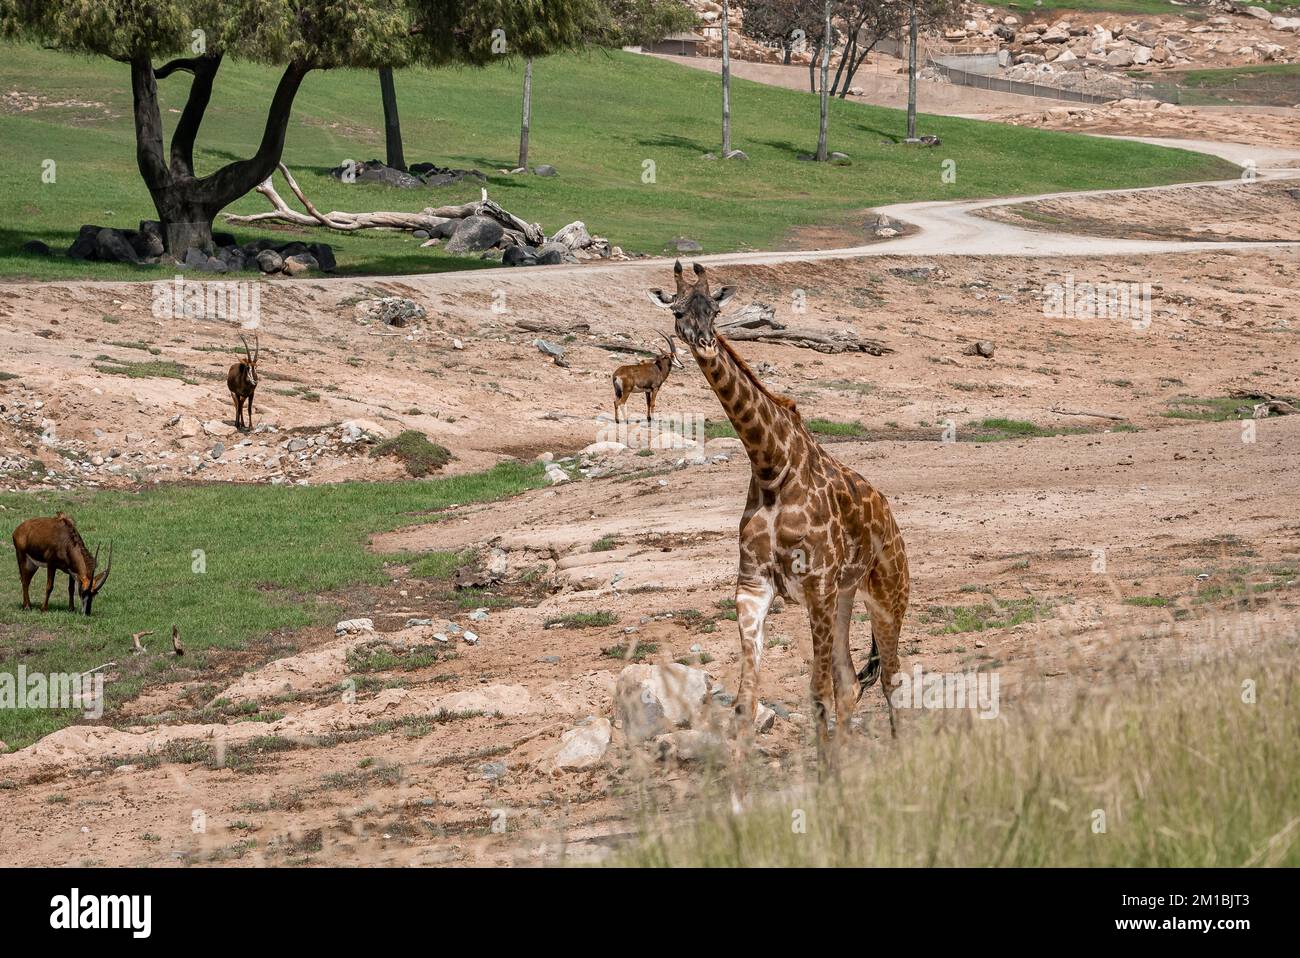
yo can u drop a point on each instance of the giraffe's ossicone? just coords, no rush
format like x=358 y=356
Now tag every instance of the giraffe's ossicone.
x=813 y=530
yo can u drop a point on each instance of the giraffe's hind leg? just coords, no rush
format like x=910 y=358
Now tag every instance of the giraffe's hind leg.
x=886 y=599
x=847 y=689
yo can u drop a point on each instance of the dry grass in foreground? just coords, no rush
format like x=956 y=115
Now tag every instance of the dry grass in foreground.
x=1183 y=770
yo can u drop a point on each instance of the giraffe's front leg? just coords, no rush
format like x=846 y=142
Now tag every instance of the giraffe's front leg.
x=821 y=619
x=753 y=598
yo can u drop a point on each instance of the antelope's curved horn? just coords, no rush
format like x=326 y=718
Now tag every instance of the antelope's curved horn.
x=672 y=349
x=247 y=354
x=257 y=347
x=99 y=582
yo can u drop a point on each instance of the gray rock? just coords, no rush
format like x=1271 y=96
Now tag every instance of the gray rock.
x=653 y=699
x=519 y=256
x=112 y=247
x=475 y=233
x=324 y=254
x=300 y=263
x=684 y=245
x=269 y=261
x=390 y=310
x=545 y=170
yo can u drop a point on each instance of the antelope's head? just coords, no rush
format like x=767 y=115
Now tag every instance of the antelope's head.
x=670 y=358
x=249 y=359
x=694 y=307
x=89 y=584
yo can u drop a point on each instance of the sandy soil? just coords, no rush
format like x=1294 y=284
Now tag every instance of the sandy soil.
x=1257 y=126
x=1168 y=503
x=1254 y=211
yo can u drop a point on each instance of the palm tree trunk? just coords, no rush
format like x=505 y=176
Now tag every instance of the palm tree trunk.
x=527 y=123
x=826 y=75
x=726 y=78
x=911 y=76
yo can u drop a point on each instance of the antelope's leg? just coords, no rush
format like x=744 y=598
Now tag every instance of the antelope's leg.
x=649 y=406
x=72 y=583
x=753 y=599
x=250 y=411
x=25 y=573
x=239 y=408
x=49 y=586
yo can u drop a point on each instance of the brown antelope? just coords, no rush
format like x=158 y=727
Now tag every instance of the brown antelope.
x=242 y=380
x=645 y=378
x=55 y=544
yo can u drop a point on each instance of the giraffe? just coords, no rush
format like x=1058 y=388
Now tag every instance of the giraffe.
x=813 y=530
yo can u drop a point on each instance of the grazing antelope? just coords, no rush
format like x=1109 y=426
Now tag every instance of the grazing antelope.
x=55 y=544
x=242 y=380
x=645 y=378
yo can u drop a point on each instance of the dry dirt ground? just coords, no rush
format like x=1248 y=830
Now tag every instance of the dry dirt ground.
x=1181 y=509
x=1256 y=126
x=1251 y=211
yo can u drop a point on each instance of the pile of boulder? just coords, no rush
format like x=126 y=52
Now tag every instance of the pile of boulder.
x=415 y=176
x=1240 y=35
x=569 y=244
x=144 y=247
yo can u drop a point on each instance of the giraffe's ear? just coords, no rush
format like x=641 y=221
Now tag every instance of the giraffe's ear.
x=659 y=298
x=722 y=296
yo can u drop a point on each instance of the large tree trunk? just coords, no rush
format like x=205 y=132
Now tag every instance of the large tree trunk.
x=726 y=78
x=525 y=127
x=186 y=203
x=825 y=91
x=392 y=123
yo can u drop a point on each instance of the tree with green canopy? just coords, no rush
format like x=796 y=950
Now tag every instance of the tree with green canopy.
x=161 y=38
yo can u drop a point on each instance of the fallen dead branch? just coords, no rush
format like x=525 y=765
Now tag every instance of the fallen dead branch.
x=808 y=339
x=429 y=219
x=1088 y=412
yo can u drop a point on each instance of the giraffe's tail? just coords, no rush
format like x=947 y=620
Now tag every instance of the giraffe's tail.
x=871 y=671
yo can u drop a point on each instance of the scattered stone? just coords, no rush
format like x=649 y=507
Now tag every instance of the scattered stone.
x=584 y=746
x=980 y=348
x=652 y=699
x=390 y=310
x=412 y=623
x=215 y=427
x=689 y=745
x=352 y=626
x=545 y=169
x=684 y=245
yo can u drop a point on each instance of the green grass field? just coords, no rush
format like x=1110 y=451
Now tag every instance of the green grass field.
x=228 y=563
x=599 y=117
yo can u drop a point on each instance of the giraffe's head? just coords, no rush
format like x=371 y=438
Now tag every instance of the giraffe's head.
x=694 y=306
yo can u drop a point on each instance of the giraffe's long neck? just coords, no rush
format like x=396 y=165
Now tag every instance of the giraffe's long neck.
x=762 y=424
